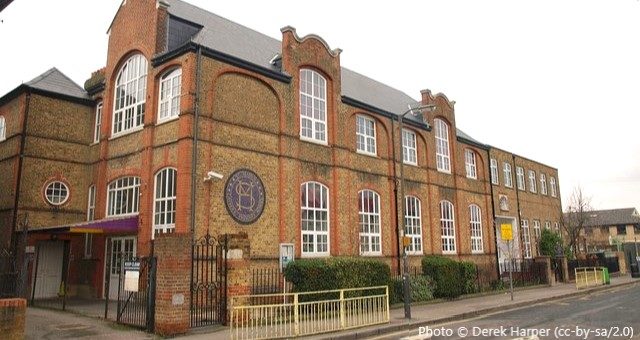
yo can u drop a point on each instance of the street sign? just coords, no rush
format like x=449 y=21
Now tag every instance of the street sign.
x=506 y=232
x=286 y=254
x=131 y=276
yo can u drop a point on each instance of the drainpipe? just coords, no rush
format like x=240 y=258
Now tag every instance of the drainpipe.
x=23 y=138
x=513 y=158
x=493 y=210
x=395 y=190
x=194 y=152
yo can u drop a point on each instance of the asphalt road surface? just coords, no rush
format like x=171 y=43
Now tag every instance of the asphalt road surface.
x=613 y=314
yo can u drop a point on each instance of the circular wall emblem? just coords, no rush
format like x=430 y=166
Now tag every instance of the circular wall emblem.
x=244 y=196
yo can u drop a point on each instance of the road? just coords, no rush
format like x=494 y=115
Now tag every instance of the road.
x=614 y=313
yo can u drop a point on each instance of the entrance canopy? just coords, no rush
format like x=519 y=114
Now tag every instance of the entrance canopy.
x=117 y=225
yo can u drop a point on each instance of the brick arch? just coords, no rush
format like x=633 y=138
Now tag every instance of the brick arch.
x=380 y=127
x=123 y=59
x=420 y=141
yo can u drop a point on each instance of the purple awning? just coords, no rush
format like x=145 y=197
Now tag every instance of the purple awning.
x=118 y=225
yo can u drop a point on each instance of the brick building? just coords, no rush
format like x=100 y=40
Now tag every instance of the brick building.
x=608 y=229
x=310 y=154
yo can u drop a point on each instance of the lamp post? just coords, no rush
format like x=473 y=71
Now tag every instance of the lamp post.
x=406 y=287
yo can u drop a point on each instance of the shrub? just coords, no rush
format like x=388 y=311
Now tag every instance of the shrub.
x=447 y=275
x=336 y=273
x=469 y=273
x=422 y=289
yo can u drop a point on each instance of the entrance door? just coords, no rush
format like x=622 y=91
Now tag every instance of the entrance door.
x=120 y=248
x=49 y=269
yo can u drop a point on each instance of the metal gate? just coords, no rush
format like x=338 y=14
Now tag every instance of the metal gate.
x=208 y=281
x=137 y=292
x=9 y=273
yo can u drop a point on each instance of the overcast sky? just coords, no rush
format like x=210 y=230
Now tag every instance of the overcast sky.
x=554 y=81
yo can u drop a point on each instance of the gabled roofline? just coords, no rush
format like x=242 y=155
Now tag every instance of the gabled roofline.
x=192 y=46
x=24 y=88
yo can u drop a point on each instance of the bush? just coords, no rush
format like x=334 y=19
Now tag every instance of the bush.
x=422 y=289
x=336 y=273
x=451 y=278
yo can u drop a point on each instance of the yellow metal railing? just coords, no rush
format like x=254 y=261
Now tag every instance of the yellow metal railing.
x=269 y=316
x=589 y=277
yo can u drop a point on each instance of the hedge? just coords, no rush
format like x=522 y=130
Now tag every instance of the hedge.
x=336 y=273
x=422 y=289
x=451 y=278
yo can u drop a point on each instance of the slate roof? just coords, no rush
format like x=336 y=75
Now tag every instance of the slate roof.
x=626 y=216
x=55 y=81
x=236 y=40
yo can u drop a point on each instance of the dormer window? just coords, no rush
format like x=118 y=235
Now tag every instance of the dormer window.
x=313 y=106
x=130 y=96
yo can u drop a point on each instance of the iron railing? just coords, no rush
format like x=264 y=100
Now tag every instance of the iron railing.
x=208 y=281
x=136 y=305
x=297 y=314
x=524 y=272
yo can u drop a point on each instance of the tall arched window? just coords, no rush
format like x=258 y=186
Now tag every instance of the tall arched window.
x=470 y=164
x=164 y=207
x=413 y=224
x=369 y=213
x=130 y=95
x=3 y=129
x=314 y=224
x=169 y=97
x=448 y=228
x=97 y=123
x=123 y=196
x=313 y=106
x=442 y=145
x=475 y=223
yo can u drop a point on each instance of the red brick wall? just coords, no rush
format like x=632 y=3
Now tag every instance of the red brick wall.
x=12 y=318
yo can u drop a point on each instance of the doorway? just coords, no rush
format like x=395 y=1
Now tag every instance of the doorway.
x=118 y=249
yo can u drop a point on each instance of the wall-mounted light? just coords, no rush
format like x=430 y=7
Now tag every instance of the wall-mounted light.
x=213 y=175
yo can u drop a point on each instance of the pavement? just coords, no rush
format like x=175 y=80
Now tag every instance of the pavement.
x=51 y=324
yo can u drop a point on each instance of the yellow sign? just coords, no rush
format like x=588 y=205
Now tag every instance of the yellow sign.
x=505 y=232
x=406 y=241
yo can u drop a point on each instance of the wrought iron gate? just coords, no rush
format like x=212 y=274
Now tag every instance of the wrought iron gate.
x=137 y=298
x=208 y=281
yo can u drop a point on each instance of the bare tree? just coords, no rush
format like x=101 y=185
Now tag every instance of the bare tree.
x=576 y=217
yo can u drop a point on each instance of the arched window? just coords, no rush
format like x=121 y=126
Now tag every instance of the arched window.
x=409 y=147
x=448 y=228
x=57 y=193
x=164 y=207
x=91 y=203
x=130 y=95
x=369 y=213
x=3 y=129
x=442 y=145
x=123 y=196
x=413 y=224
x=475 y=223
x=313 y=106
x=169 y=96
x=314 y=224
x=508 y=178
x=470 y=164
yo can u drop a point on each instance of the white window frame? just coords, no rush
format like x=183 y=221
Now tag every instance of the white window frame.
x=443 y=160
x=365 y=135
x=315 y=211
x=97 y=123
x=123 y=196
x=413 y=224
x=536 y=229
x=508 y=176
x=547 y=225
x=91 y=203
x=520 y=178
x=164 y=201
x=526 y=239
x=56 y=193
x=128 y=110
x=409 y=147
x=532 y=181
x=475 y=225
x=169 y=95
x=494 y=172
x=88 y=245
x=543 y=184
x=470 y=164
x=3 y=129
x=448 y=227
x=313 y=106
x=369 y=223
x=552 y=182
